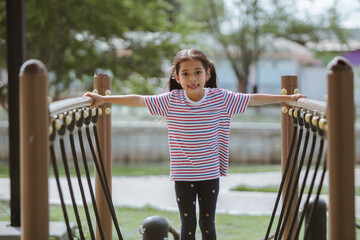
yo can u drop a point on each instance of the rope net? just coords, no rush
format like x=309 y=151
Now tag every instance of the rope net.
x=314 y=125
x=63 y=126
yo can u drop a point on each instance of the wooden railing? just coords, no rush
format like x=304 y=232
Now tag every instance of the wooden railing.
x=339 y=111
x=35 y=112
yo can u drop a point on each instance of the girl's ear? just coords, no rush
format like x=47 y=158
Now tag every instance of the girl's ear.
x=177 y=78
x=208 y=74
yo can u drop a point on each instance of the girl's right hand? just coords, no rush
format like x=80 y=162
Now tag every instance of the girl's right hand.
x=98 y=99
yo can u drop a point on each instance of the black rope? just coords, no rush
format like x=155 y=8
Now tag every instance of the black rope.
x=78 y=175
x=287 y=204
x=313 y=207
x=79 y=124
x=310 y=188
x=100 y=158
x=105 y=189
x=303 y=185
x=67 y=173
x=296 y=180
x=57 y=178
x=102 y=179
x=295 y=130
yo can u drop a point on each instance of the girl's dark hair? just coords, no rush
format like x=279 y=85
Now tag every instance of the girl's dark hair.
x=188 y=54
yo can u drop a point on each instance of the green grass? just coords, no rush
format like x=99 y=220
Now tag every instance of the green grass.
x=275 y=189
x=120 y=170
x=244 y=188
x=4 y=169
x=143 y=170
x=117 y=170
x=253 y=168
x=229 y=227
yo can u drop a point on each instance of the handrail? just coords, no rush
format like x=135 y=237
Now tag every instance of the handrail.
x=309 y=104
x=62 y=106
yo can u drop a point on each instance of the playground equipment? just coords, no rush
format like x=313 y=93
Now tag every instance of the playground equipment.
x=157 y=228
x=332 y=122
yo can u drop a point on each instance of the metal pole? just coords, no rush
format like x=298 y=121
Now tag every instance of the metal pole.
x=341 y=149
x=102 y=83
x=34 y=150
x=290 y=83
x=15 y=18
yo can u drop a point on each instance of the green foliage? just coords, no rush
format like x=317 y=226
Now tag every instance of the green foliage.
x=76 y=38
x=326 y=57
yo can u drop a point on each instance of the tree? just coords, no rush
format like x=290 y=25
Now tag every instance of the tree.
x=76 y=38
x=241 y=27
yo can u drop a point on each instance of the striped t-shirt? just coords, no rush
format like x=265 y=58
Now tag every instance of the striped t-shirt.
x=198 y=131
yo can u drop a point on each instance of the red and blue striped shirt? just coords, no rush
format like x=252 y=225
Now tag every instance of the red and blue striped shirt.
x=198 y=131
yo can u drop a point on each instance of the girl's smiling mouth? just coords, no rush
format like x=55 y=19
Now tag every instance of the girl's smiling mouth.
x=193 y=86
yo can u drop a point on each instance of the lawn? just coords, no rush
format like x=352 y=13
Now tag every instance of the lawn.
x=143 y=170
x=229 y=227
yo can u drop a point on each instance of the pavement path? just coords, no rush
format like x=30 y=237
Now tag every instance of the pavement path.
x=158 y=192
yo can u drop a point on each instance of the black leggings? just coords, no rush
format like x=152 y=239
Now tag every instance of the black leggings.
x=207 y=192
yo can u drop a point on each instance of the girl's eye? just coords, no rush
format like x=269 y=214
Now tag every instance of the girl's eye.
x=185 y=74
x=198 y=72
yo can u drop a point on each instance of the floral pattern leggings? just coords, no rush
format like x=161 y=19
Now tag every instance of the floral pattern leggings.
x=207 y=192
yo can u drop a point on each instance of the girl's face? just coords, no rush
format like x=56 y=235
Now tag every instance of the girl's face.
x=192 y=78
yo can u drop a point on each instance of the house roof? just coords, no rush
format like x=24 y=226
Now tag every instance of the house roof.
x=334 y=45
x=285 y=48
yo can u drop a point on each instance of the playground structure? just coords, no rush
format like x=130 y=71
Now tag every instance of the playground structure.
x=37 y=116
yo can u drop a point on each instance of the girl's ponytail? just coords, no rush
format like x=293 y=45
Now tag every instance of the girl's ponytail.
x=173 y=84
x=212 y=81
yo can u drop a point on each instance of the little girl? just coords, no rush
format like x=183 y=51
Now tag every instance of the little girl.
x=198 y=115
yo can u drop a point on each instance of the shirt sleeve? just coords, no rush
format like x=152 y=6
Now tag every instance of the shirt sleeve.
x=236 y=103
x=158 y=105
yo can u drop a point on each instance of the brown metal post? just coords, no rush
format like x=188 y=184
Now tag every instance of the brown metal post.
x=102 y=83
x=290 y=83
x=34 y=150
x=341 y=149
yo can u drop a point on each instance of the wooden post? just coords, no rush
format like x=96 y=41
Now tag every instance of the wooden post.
x=34 y=150
x=341 y=149
x=290 y=83
x=102 y=83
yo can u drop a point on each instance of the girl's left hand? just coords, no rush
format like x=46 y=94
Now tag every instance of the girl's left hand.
x=295 y=97
x=98 y=99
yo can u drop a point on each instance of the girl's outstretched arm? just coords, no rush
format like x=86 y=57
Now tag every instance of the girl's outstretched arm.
x=128 y=100
x=262 y=99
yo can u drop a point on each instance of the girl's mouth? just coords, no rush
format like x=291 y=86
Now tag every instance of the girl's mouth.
x=193 y=86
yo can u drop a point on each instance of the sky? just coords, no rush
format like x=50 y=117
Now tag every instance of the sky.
x=349 y=9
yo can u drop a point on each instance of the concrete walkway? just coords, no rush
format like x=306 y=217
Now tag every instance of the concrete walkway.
x=158 y=192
